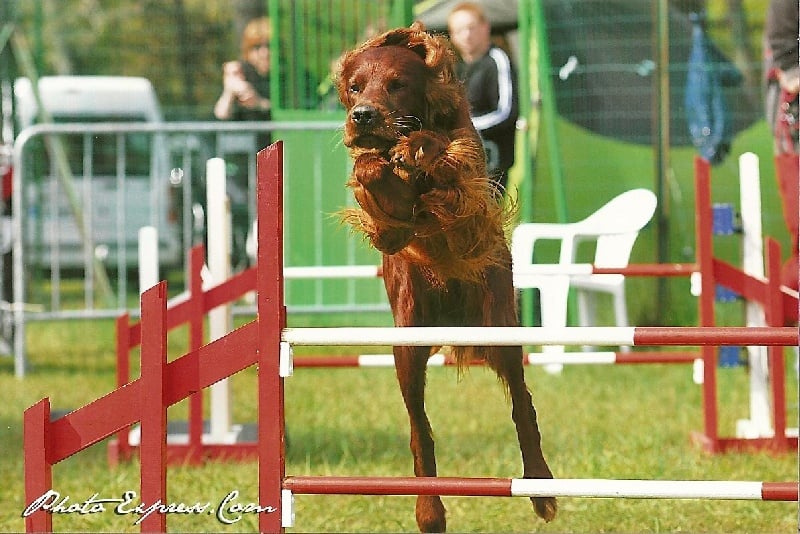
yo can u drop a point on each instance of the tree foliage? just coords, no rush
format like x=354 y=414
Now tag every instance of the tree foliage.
x=180 y=44
x=177 y=44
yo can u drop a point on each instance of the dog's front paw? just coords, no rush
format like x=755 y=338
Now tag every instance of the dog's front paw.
x=420 y=149
x=380 y=191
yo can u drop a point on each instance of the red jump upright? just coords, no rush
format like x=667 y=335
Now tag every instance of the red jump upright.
x=145 y=400
x=779 y=306
x=271 y=322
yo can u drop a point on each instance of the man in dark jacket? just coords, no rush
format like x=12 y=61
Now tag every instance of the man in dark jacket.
x=490 y=83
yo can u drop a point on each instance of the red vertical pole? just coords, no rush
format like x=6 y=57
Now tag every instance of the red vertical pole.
x=38 y=470
x=123 y=448
x=196 y=296
x=271 y=322
x=705 y=260
x=774 y=316
x=153 y=448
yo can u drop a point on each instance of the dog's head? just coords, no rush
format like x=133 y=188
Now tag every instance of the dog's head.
x=397 y=82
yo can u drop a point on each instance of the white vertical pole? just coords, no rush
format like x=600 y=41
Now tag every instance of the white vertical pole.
x=220 y=319
x=759 y=425
x=554 y=298
x=148 y=258
x=148 y=274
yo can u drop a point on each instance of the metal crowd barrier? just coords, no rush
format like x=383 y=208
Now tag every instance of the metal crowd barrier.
x=187 y=144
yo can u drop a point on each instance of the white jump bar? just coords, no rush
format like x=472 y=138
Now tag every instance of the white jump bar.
x=459 y=336
x=637 y=489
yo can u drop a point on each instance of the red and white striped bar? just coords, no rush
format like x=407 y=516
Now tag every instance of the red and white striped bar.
x=524 y=487
x=534 y=358
x=570 y=335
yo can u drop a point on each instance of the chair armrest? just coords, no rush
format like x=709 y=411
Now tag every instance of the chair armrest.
x=545 y=230
x=525 y=236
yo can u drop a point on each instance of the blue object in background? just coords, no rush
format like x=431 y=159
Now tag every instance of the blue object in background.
x=729 y=356
x=706 y=110
x=723 y=219
x=723 y=294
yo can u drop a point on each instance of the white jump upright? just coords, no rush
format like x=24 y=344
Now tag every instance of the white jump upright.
x=148 y=258
x=221 y=431
x=219 y=264
x=759 y=424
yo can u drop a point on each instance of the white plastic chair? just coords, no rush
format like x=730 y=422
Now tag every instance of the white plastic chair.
x=614 y=228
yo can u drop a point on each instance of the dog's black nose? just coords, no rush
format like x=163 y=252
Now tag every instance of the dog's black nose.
x=364 y=115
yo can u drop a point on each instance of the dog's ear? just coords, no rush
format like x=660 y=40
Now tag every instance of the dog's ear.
x=428 y=47
x=434 y=50
x=338 y=73
x=444 y=95
x=412 y=38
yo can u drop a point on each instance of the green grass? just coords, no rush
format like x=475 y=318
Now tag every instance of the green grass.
x=597 y=422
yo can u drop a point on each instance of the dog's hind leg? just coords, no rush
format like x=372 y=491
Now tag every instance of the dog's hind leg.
x=411 y=364
x=507 y=363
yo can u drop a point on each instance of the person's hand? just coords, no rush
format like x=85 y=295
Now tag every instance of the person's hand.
x=249 y=98
x=233 y=78
x=789 y=80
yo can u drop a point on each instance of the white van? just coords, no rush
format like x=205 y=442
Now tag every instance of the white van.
x=124 y=179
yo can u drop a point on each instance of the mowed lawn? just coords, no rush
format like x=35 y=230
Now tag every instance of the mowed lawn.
x=630 y=422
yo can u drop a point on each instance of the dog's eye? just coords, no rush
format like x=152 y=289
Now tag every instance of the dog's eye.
x=354 y=88
x=396 y=85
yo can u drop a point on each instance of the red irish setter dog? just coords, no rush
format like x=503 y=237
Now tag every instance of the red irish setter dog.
x=426 y=202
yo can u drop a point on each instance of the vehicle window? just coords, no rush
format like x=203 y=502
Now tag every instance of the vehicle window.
x=104 y=149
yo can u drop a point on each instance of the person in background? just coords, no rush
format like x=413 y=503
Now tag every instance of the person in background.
x=245 y=97
x=782 y=70
x=245 y=83
x=491 y=85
